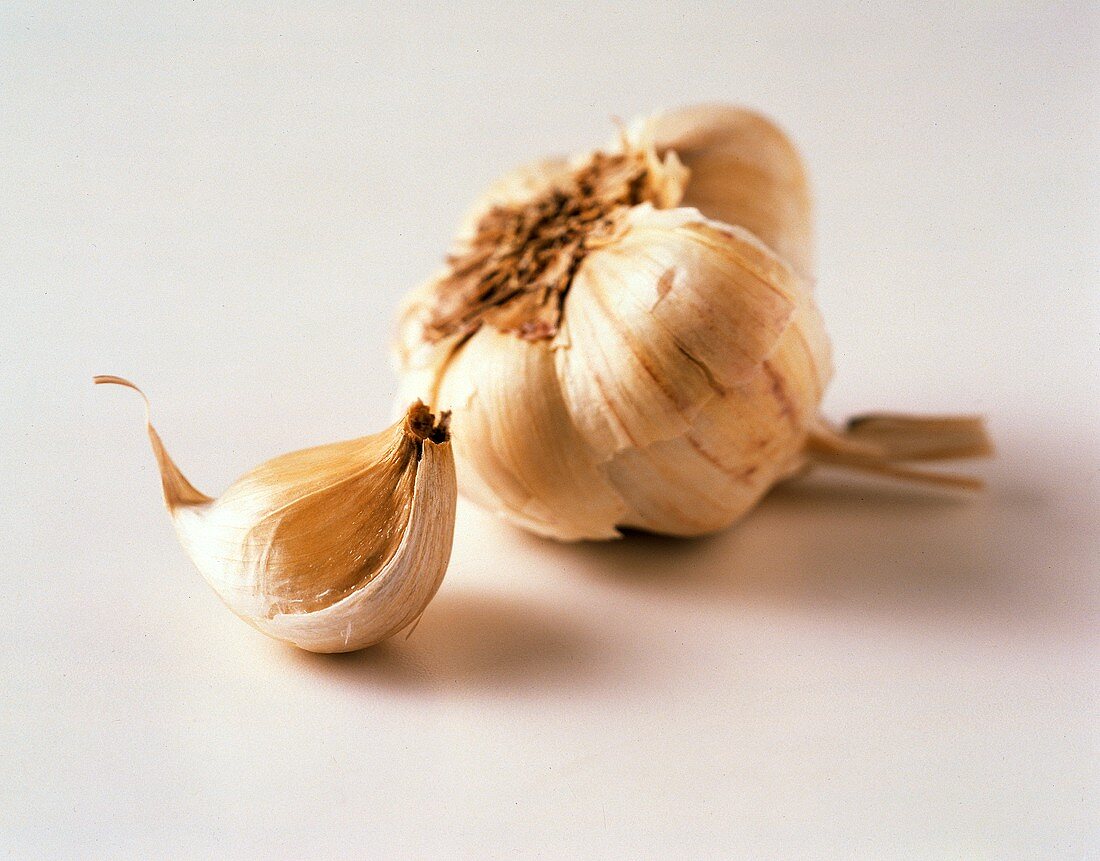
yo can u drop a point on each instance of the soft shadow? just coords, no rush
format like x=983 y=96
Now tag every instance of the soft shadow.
x=475 y=640
x=860 y=547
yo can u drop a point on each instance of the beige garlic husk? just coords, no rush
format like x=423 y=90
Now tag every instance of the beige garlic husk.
x=629 y=338
x=331 y=548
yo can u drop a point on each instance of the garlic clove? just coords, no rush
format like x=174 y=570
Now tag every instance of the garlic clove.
x=733 y=297
x=331 y=548
x=530 y=463
x=744 y=171
x=740 y=443
x=671 y=315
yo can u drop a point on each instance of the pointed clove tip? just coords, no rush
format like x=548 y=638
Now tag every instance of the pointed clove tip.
x=101 y=379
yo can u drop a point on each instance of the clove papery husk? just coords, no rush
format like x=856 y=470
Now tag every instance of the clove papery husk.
x=331 y=548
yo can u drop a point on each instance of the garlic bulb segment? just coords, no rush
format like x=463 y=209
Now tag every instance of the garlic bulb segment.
x=332 y=548
x=629 y=338
x=744 y=171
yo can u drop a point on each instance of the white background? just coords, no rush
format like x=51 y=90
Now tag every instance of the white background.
x=227 y=206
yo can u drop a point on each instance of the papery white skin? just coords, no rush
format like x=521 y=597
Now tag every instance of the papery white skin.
x=687 y=373
x=687 y=369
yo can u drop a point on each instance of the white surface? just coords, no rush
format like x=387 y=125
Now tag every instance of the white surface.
x=227 y=206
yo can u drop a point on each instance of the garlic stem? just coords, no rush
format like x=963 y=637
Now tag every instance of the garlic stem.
x=880 y=443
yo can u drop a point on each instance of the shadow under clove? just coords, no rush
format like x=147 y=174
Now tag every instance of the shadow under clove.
x=474 y=640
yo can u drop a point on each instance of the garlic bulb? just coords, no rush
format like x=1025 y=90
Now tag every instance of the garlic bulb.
x=629 y=338
x=331 y=548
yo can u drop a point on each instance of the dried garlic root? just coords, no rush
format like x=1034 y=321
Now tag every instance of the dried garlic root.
x=332 y=548
x=629 y=338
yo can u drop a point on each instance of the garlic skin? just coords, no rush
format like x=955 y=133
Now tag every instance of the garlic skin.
x=629 y=338
x=332 y=548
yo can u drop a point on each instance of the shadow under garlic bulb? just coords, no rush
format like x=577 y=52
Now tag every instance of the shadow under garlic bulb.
x=629 y=338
